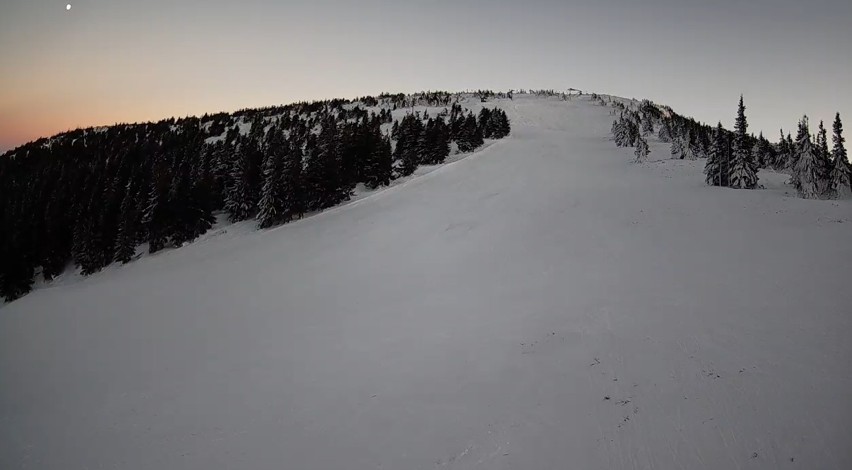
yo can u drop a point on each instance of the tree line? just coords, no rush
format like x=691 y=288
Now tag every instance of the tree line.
x=92 y=197
x=733 y=158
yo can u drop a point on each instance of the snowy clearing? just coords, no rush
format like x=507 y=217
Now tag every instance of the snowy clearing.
x=543 y=303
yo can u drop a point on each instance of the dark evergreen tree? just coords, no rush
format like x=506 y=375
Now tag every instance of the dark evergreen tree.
x=742 y=172
x=239 y=203
x=156 y=213
x=294 y=184
x=716 y=168
x=500 y=124
x=486 y=124
x=807 y=170
x=840 y=178
x=763 y=152
x=694 y=149
x=619 y=132
x=125 y=246
x=395 y=130
x=379 y=165
x=408 y=150
x=632 y=128
x=783 y=153
x=271 y=208
x=823 y=154
x=323 y=183
x=85 y=247
x=469 y=138
x=190 y=207
x=434 y=142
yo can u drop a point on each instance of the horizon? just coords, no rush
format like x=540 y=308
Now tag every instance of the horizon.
x=103 y=63
x=786 y=130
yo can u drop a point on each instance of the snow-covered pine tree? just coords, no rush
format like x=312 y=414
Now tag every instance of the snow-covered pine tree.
x=677 y=147
x=395 y=129
x=327 y=181
x=807 y=172
x=632 y=128
x=441 y=140
x=840 y=185
x=665 y=133
x=469 y=138
x=641 y=151
x=84 y=249
x=292 y=182
x=125 y=244
x=791 y=146
x=379 y=165
x=619 y=132
x=802 y=134
x=823 y=154
x=716 y=168
x=762 y=152
x=486 y=123
x=742 y=173
x=407 y=146
x=782 y=153
x=502 y=128
x=647 y=125
x=694 y=150
x=476 y=133
x=238 y=202
x=155 y=215
x=272 y=197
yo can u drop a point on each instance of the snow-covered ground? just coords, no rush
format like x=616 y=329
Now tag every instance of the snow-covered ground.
x=541 y=304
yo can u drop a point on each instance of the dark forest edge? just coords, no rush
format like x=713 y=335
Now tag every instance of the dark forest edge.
x=92 y=196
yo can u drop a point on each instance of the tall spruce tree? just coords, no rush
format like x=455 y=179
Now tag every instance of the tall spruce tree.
x=435 y=141
x=238 y=196
x=469 y=138
x=807 y=170
x=271 y=207
x=125 y=246
x=841 y=173
x=500 y=124
x=782 y=153
x=379 y=166
x=486 y=123
x=763 y=152
x=293 y=182
x=742 y=173
x=823 y=153
x=716 y=167
x=408 y=146
x=694 y=149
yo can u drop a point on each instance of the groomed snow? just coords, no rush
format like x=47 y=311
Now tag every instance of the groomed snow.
x=541 y=304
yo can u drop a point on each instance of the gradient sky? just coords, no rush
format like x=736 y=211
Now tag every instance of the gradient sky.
x=108 y=61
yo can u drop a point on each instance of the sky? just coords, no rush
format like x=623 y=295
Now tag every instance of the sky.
x=108 y=61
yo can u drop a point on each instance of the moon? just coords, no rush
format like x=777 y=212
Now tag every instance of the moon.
x=67 y=7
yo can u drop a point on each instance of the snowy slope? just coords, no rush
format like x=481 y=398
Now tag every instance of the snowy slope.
x=540 y=304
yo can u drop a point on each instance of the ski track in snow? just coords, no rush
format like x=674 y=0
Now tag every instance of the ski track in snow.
x=544 y=303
